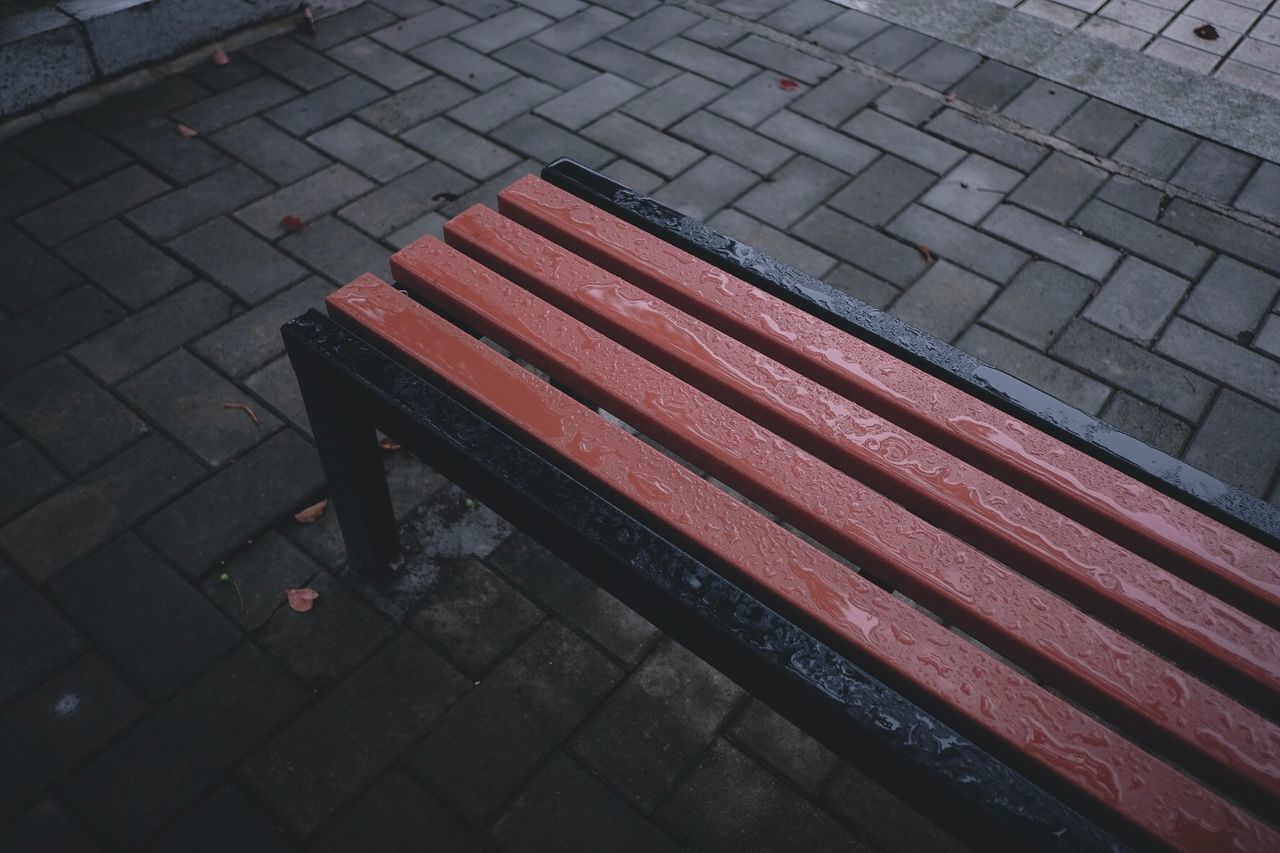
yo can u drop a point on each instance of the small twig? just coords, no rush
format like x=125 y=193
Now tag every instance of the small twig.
x=242 y=407
x=226 y=578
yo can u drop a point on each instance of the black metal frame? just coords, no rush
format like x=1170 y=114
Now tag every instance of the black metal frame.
x=350 y=388
x=1217 y=499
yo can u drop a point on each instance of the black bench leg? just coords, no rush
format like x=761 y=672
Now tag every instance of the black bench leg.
x=352 y=461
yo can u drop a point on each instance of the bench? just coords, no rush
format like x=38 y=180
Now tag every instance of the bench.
x=1046 y=633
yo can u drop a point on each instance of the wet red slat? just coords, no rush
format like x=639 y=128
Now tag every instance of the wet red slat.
x=1238 y=569
x=1165 y=610
x=1033 y=725
x=1083 y=657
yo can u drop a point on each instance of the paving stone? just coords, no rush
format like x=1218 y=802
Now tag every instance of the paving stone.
x=436 y=23
x=858 y=284
x=903 y=141
x=1058 y=187
x=298 y=65
x=642 y=144
x=143 y=616
x=499 y=31
x=703 y=61
x=564 y=807
x=772 y=242
x=1070 y=386
x=176 y=157
x=396 y=813
x=1038 y=303
x=1268 y=339
x=625 y=62
x=744 y=147
x=548 y=66
x=801 y=16
x=673 y=100
x=1261 y=193
x=1098 y=127
x=750 y=9
x=555 y=8
x=71 y=152
x=42 y=276
x=480 y=752
x=883 y=818
x=818 y=141
x=1044 y=105
x=462 y=63
x=579 y=29
x=558 y=587
x=152 y=101
x=25 y=189
x=44 y=827
x=414 y=105
x=847 y=30
x=308 y=199
x=259 y=575
x=793 y=191
x=1132 y=196
x=541 y=140
x=128 y=267
x=50 y=401
x=1215 y=171
x=706 y=187
x=1231 y=297
x=217 y=516
x=941 y=66
x=653 y=727
x=343 y=27
x=993 y=85
x=140 y=338
x=756 y=811
x=502 y=104
x=473 y=617
x=384 y=66
x=944 y=301
x=337 y=251
x=995 y=143
x=1143 y=238
x=588 y=102
x=408 y=8
x=407 y=197
x=225 y=820
x=269 y=150
x=861 y=246
x=206 y=77
x=95 y=203
x=837 y=98
x=1147 y=423
x=970 y=190
x=1051 y=241
x=475 y=155
x=487 y=193
x=170 y=759
x=960 y=244
x=47 y=732
x=366 y=150
x=40 y=642
x=237 y=259
x=432 y=223
x=785 y=60
x=325 y=105
x=907 y=106
x=1236 y=443
x=1129 y=366
x=755 y=100
x=54 y=326
x=782 y=745
x=28 y=476
x=1223 y=360
x=637 y=178
x=654 y=27
x=365 y=723
x=184 y=209
x=1228 y=235
x=239 y=102
x=1155 y=148
x=893 y=47
x=1137 y=300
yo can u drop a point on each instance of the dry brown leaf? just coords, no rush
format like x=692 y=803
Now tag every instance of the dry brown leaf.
x=302 y=599
x=292 y=224
x=311 y=513
x=1208 y=32
x=188 y=132
x=220 y=57
x=924 y=251
x=242 y=407
x=388 y=444
x=788 y=84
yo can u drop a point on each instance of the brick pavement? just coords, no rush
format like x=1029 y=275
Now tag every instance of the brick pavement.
x=493 y=698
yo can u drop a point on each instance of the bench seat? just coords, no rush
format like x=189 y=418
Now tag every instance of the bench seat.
x=1126 y=656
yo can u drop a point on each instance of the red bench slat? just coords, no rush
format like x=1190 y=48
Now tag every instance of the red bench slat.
x=1000 y=608
x=1035 y=726
x=1231 y=565
x=1225 y=645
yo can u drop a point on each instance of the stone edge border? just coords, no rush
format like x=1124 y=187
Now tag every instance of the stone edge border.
x=1204 y=105
x=48 y=53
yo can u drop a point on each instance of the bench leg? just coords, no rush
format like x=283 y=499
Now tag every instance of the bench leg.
x=352 y=461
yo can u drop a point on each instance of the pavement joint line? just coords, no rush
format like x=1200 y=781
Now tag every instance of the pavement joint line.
x=980 y=114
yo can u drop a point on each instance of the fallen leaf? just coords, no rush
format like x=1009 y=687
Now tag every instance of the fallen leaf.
x=242 y=407
x=308 y=23
x=1245 y=337
x=292 y=224
x=302 y=599
x=1208 y=32
x=311 y=513
x=220 y=57
x=388 y=444
x=924 y=251
x=788 y=84
x=445 y=197
x=188 y=132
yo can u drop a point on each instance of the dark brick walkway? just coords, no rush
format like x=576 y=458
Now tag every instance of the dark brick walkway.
x=494 y=698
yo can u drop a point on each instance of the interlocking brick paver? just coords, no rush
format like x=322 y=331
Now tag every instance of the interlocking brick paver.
x=994 y=143
x=847 y=30
x=1235 y=442
x=1128 y=194
x=46 y=826
x=1215 y=171
x=42 y=275
x=1268 y=340
x=175 y=157
x=95 y=203
x=345 y=26
x=55 y=325
x=1222 y=359
x=785 y=60
x=1230 y=236
x=941 y=66
x=258 y=577
x=396 y=813
x=755 y=100
x=501 y=104
x=858 y=284
x=225 y=820
x=1262 y=194
x=325 y=105
x=414 y=105
x=819 y=142
x=70 y=151
x=588 y=102
x=500 y=31
x=907 y=106
x=625 y=62
x=24 y=189
x=253 y=338
x=702 y=60
x=366 y=150
x=405 y=198
x=631 y=175
x=643 y=144
x=183 y=209
x=881 y=817
x=1153 y=243
x=956 y=242
x=40 y=641
x=653 y=28
x=542 y=140
x=801 y=16
x=468 y=152
x=1070 y=386
x=1038 y=303
x=742 y=146
x=577 y=30
x=462 y=63
x=125 y=265
x=837 y=98
x=1098 y=127
x=269 y=150
x=380 y=64
x=861 y=246
x=298 y=65
x=1136 y=300
x=993 y=85
x=1231 y=298
x=546 y=65
x=1058 y=187
x=782 y=745
x=944 y=301
x=28 y=476
x=892 y=47
x=772 y=242
x=234 y=104
x=435 y=23
x=307 y=199
x=969 y=191
x=880 y=192
x=556 y=8
x=706 y=187
x=793 y=191
x=903 y=141
x=1155 y=148
x=487 y=193
x=47 y=402
x=1147 y=423
x=1051 y=241
x=673 y=100
x=238 y=260
x=1044 y=105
